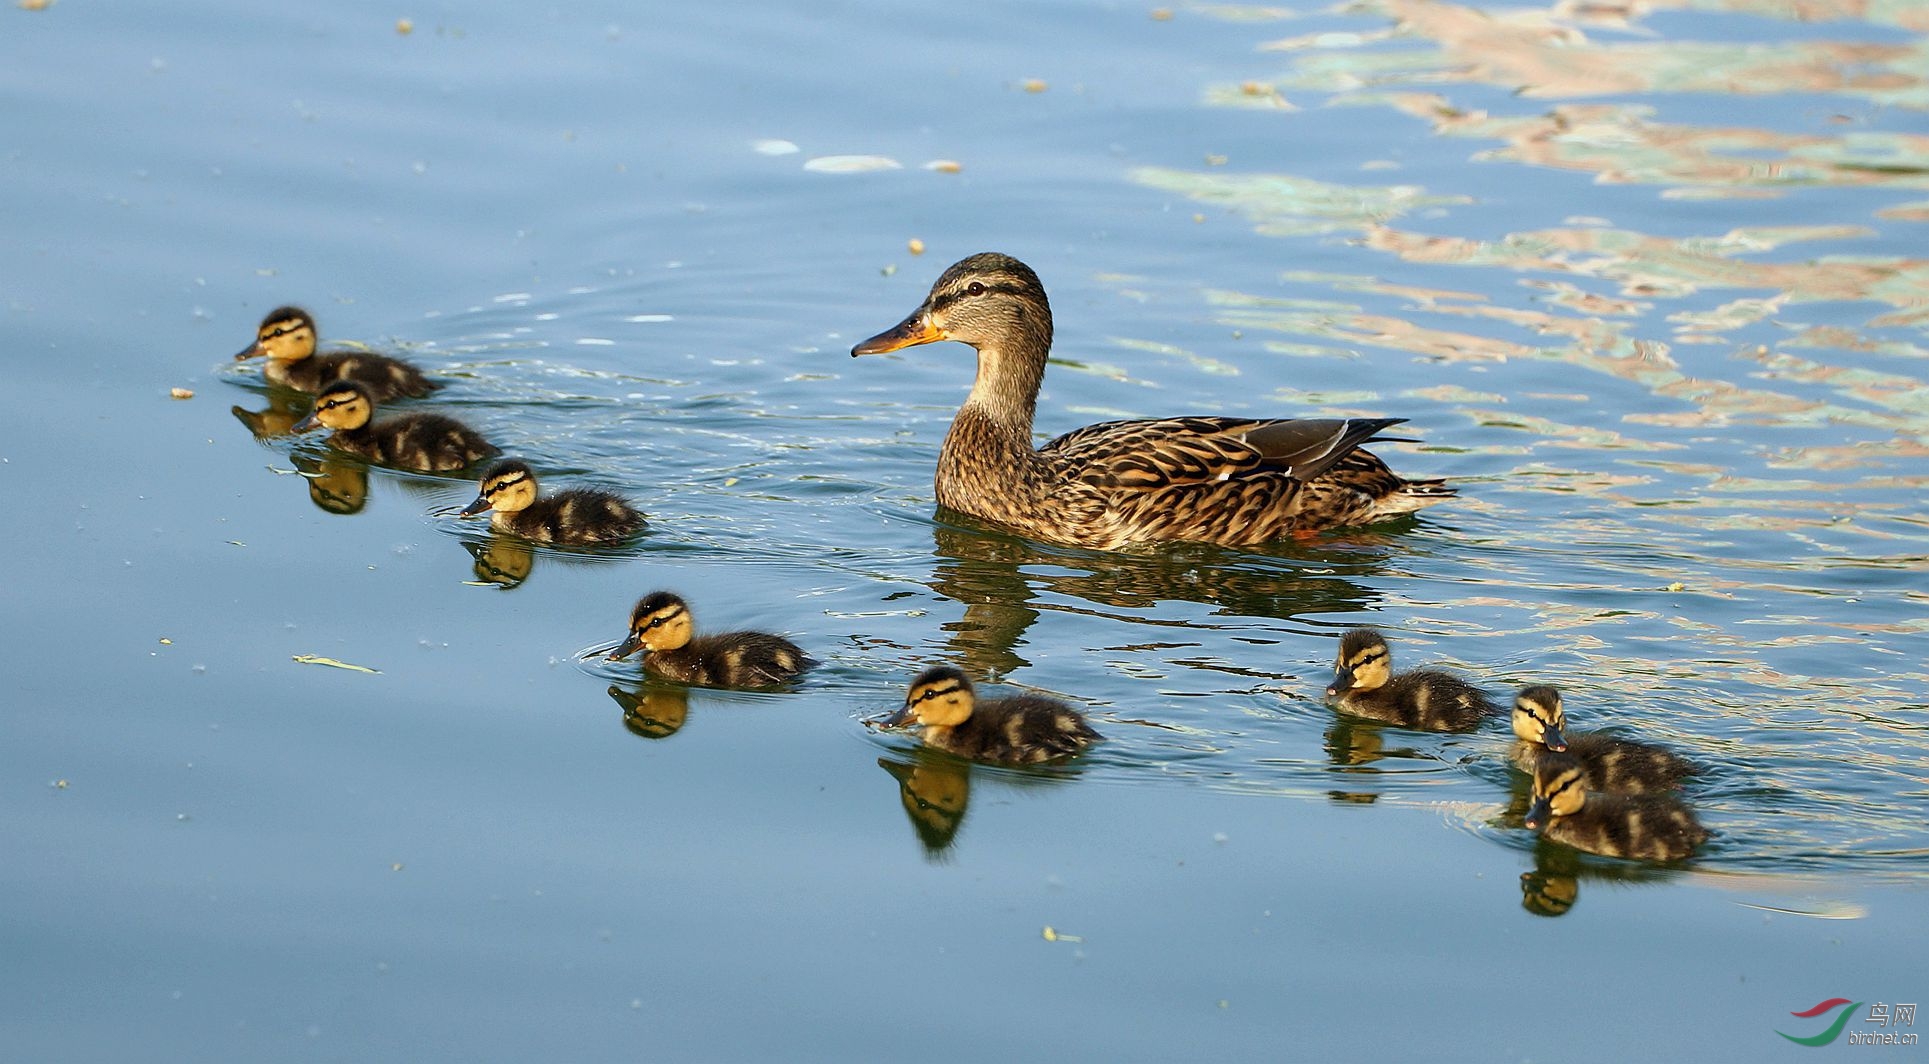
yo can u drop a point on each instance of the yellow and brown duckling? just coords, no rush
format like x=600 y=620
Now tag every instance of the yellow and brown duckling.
x=1220 y=480
x=287 y=337
x=1644 y=827
x=575 y=517
x=660 y=626
x=430 y=443
x=1607 y=763
x=1018 y=729
x=1365 y=685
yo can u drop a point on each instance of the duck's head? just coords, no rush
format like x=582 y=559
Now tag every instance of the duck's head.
x=342 y=406
x=286 y=334
x=660 y=621
x=1365 y=663
x=941 y=697
x=507 y=486
x=1557 y=789
x=992 y=302
x=1538 y=717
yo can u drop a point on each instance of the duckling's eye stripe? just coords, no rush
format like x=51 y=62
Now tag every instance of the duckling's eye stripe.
x=930 y=693
x=662 y=618
x=505 y=485
x=1369 y=654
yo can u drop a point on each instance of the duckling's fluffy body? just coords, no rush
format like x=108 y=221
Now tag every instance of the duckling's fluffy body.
x=1015 y=729
x=1426 y=699
x=1212 y=479
x=661 y=626
x=573 y=517
x=1607 y=763
x=288 y=337
x=430 y=443
x=1643 y=827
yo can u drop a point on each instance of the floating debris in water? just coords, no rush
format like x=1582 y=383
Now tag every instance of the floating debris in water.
x=944 y=166
x=405 y=26
x=851 y=164
x=1052 y=935
x=317 y=659
x=915 y=246
x=1034 y=85
x=181 y=393
x=774 y=147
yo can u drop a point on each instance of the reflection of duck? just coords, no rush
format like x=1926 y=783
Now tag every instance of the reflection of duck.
x=1648 y=827
x=1622 y=766
x=653 y=712
x=575 y=517
x=1428 y=699
x=936 y=790
x=279 y=418
x=1213 y=479
x=287 y=337
x=336 y=486
x=425 y=442
x=502 y=561
x=661 y=627
x=1017 y=729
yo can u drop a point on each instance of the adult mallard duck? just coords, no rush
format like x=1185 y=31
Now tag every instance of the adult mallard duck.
x=1644 y=827
x=660 y=626
x=1224 y=480
x=1607 y=763
x=1017 y=729
x=1429 y=699
x=287 y=337
x=426 y=442
x=572 y=517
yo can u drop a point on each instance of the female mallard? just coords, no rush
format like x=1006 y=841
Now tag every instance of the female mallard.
x=1621 y=766
x=576 y=517
x=660 y=627
x=1018 y=729
x=427 y=442
x=1224 y=480
x=287 y=337
x=1645 y=827
x=1427 y=699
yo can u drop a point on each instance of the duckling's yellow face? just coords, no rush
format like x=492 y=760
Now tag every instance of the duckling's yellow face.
x=342 y=407
x=1365 y=663
x=288 y=339
x=507 y=489
x=658 y=626
x=1538 y=717
x=941 y=698
x=1558 y=790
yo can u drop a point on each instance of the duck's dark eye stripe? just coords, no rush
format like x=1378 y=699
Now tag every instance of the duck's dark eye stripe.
x=975 y=289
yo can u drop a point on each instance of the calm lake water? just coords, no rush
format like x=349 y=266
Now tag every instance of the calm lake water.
x=1648 y=281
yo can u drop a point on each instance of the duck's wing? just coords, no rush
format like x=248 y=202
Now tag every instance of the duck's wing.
x=1203 y=450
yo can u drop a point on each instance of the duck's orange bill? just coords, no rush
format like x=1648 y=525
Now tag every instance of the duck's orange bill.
x=912 y=331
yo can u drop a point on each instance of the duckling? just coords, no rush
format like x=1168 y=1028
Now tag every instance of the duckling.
x=426 y=442
x=1645 y=827
x=1427 y=699
x=660 y=626
x=577 y=517
x=1018 y=729
x=1227 y=480
x=287 y=337
x=1621 y=766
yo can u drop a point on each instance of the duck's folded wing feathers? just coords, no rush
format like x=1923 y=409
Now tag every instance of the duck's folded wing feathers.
x=1151 y=454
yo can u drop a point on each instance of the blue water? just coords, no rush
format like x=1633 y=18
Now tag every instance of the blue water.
x=1656 y=307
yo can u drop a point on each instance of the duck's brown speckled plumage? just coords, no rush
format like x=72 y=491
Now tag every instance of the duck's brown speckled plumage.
x=573 y=517
x=288 y=337
x=1607 y=763
x=661 y=626
x=430 y=443
x=1644 y=827
x=1016 y=729
x=1365 y=685
x=1221 y=480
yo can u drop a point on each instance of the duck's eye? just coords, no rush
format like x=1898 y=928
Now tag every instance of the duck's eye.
x=975 y=288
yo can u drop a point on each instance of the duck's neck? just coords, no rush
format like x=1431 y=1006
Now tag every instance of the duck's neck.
x=989 y=447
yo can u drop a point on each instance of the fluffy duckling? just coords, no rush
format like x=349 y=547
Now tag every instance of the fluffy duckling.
x=1428 y=699
x=1019 y=729
x=430 y=443
x=576 y=517
x=660 y=626
x=1646 y=827
x=1621 y=766
x=287 y=337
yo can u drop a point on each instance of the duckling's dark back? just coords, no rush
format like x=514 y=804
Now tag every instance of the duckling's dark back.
x=428 y=442
x=1642 y=827
x=1623 y=766
x=1020 y=729
x=732 y=659
x=1426 y=699
x=578 y=515
x=385 y=378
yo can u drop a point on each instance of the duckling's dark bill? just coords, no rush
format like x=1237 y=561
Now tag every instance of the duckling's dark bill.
x=482 y=503
x=1539 y=812
x=249 y=352
x=900 y=717
x=306 y=424
x=912 y=331
x=627 y=647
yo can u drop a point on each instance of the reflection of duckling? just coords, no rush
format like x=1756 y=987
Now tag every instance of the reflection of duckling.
x=576 y=517
x=1607 y=763
x=660 y=625
x=287 y=337
x=334 y=485
x=1647 y=827
x=426 y=442
x=275 y=420
x=1019 y=729
x=653 y=712
x=1427 y=699
x=502 y=561
x=936 y=791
